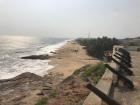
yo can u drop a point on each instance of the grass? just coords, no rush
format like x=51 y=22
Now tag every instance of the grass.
x=98 y=73
x=93 y=71
x=78 y=71
x=89 y=70
x=42 y=101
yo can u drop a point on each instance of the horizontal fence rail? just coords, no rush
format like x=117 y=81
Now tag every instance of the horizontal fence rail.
x=103 y=96
x=123 y=56
x=128 y=71
x=126 y=81
x=123 y=51
x=123 y=60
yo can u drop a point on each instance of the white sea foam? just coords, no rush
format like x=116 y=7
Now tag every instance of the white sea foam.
x=39 y=67
x=51 y=48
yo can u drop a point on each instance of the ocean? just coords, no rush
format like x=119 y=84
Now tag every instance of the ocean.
x=12 y=48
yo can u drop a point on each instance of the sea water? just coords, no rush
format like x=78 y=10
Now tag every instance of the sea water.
x=12 y=48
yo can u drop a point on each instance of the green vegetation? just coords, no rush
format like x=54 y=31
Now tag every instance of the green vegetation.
x=91 y=69
x=96 y=47
x=98 y=73
x=77 y=72
x=53 y=93
x=94 y=72
x=42 y=101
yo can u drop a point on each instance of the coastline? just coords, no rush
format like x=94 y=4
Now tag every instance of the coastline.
x=38 y=66
x=65 y=58
x=29 y=86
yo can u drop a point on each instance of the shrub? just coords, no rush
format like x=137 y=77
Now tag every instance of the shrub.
x=94 y=72
x=96 y=47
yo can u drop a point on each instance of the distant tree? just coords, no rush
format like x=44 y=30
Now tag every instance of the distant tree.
x=96 y=47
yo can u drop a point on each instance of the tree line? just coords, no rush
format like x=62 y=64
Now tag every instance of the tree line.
x=96 y=46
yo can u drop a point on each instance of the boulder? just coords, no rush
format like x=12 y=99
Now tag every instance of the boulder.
x=40 y=57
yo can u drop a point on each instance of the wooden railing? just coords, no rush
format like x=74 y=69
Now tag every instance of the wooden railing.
x=122 y=59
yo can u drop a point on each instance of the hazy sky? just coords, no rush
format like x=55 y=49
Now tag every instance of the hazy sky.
x=70 y=18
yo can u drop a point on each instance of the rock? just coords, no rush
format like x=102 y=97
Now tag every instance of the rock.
x=40 y=57
x=23 y=80
x=20 y=88
x=40 y=93
x=28 y=75
x=53 y=52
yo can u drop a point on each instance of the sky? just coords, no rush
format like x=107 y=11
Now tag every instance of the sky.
x=70 y=18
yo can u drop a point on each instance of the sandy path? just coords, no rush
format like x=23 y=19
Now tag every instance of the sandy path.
x=67 y=60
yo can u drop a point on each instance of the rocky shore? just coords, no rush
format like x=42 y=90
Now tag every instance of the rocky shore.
x=15 y=91
x=25 y=87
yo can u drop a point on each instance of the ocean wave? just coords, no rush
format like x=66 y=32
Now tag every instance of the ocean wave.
x=38 y=67
x=51 y=48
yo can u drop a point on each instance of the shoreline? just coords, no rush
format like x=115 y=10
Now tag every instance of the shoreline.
x=65 y=59
x=29 y=86
x=41 y=55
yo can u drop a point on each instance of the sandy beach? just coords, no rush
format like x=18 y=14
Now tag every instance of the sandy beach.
x=70 y=57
